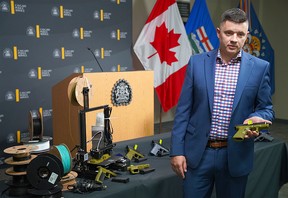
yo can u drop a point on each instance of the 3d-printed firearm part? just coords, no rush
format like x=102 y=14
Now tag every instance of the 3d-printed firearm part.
x=242 y=129
x=138 y=160
x=264 y=137
x=133 y=154
x=135 y=169
x=116 y=163
x=120 y=179
x=158 y=150
x=120 y=163
x=104 y=173
x=146 y=170
x=85 y=185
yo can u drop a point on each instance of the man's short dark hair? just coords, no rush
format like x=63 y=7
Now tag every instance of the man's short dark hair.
x=235 y=15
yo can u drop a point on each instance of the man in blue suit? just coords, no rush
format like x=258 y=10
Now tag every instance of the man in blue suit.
x=222 y=88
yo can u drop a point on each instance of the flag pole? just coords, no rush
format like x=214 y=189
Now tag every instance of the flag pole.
x=160 y=123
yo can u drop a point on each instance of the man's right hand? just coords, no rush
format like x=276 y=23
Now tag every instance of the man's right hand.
x=179 y=166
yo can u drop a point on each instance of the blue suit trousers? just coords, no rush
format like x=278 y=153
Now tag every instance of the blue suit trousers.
x=213 y=171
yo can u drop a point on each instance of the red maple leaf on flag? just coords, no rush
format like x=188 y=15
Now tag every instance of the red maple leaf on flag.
x=163 y=42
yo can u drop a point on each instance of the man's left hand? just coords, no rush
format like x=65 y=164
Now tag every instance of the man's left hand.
x=254 y=120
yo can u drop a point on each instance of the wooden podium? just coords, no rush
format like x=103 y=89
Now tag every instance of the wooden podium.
x=130 y=121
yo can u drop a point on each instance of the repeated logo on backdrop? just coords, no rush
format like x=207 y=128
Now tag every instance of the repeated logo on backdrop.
x=81 y=33
x=48 y=42
x=37 y=31
x=15 y=53
x=102 y=53
x=17 y=95
x=102 y=15
x=39 y=73
x=62 y=53
x=118 y=34
x=12 y=7
x=61 y=12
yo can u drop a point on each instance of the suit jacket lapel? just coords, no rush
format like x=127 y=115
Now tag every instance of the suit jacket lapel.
x=209 y=66
x=244 y=73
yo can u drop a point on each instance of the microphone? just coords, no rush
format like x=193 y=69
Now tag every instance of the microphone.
x=95 y=58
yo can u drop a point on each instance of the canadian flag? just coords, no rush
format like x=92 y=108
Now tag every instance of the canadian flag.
x=163 y=47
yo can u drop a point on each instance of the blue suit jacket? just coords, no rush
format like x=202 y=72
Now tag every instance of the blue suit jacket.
x=192 y=121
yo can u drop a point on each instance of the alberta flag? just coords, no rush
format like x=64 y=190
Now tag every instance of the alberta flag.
x=163 y=47
x=200 y=29
x=257 y=43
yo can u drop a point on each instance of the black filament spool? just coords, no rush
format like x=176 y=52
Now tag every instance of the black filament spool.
x=20 y=168
x=55 y=192
x=18 y=192
x=35 y=125
x=45 y=171
x=19 y=159
x=18 y=186
x=18 y=181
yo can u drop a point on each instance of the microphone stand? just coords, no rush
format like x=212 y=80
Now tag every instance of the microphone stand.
x=95 y=58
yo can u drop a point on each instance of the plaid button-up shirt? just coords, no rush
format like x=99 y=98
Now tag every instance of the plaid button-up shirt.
x=226 y=76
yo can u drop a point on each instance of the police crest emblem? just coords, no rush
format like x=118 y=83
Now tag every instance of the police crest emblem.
x=121 y=93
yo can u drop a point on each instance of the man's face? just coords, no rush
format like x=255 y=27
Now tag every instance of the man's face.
x=232 y=37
